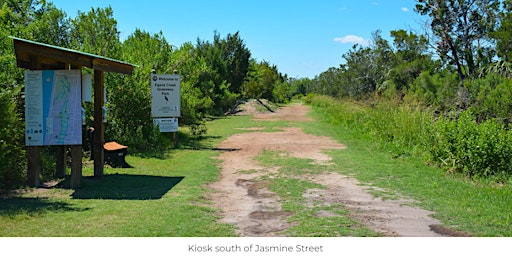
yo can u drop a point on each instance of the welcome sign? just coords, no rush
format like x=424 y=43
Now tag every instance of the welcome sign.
x=165 y=95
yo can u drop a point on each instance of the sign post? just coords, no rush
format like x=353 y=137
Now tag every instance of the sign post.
x=166 y=102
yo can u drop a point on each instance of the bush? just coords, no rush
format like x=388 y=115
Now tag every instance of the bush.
x=12 y=150
x=491 y=98
x=475 y=150
x=400 y=129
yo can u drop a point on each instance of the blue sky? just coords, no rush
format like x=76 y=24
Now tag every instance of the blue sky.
x=302 y=38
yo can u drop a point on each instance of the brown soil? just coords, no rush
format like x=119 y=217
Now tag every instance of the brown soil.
x=247 y=203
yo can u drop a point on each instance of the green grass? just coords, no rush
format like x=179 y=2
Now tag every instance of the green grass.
x=165 y=194
x=290 y=184
x=159 y=197
x=479 y=208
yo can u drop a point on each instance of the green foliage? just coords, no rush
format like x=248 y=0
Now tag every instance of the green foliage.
x=400 y=129
x=460 y=144
x=264 y=81
x=436 y=90
x=491 y=98
x=478 y=207
x=502 y=34
x=228 y=63
x=133 y=126
x=476 y=150
x=12 y=151
x=461 y=29
x=96 y=32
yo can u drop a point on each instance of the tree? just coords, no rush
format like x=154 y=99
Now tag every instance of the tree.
x=228 y=60
x=366 y=67
x=460 y=29
x=237 y=57
x=129 y=125
x=503 y=34
x=410 y=59
x=261 y=80
x=50 y=26
x=96 y=32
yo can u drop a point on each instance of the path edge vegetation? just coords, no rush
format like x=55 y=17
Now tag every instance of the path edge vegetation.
x=480 y=207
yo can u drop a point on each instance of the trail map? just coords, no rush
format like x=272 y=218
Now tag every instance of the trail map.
x=53 y=107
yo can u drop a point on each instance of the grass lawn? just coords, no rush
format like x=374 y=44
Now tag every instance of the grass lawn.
x=165 y=195
x=160 y=196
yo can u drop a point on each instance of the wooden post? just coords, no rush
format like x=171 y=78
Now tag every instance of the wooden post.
x=76 y=166
x=99 y=127
x=34 y=166
x=76 y=154
x=34 y=152
x=61 y=161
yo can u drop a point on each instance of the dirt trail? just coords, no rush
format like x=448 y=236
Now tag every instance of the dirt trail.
x=256 y=211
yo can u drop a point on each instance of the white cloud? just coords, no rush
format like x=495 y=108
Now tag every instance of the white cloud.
x=405 y=9
x=352 y=39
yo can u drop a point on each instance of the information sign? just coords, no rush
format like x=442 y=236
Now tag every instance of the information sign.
x=167 y=124
x=53 y=107
x=165 y=95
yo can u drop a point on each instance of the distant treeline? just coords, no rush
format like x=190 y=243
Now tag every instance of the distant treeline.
x=445 y=94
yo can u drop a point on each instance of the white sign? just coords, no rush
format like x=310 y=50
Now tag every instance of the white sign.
x=165 y=96
x=53 y=105
x=167 y=124
x=87 y=87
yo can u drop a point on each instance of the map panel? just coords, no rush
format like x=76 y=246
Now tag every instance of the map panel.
x=53 y=107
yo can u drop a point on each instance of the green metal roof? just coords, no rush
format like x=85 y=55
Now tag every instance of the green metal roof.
x=35 y=55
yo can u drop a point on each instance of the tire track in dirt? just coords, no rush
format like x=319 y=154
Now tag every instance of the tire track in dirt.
x=245 y=202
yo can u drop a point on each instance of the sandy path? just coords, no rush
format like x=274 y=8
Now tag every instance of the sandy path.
x=256 y=211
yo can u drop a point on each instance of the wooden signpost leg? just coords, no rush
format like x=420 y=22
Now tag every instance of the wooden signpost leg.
x=99 y=127
x=34 y=166
x=76 y=166
x=61 y=161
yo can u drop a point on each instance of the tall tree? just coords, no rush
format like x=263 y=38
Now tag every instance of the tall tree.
x=461 y=29
x=134 y=126
x=50 y=25
x=411 y=58
x=96 y=32
x=237 y=56
x=503 y=34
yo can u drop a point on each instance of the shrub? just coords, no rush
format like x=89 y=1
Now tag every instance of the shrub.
x=12 y=151
x=400 y=129
x=491 y=98
x=462 y=145
x=475 y=150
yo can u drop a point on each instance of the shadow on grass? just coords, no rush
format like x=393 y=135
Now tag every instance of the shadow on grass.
x=185 y=142
x=32 y=205
x=126 y=187
x=203 y=142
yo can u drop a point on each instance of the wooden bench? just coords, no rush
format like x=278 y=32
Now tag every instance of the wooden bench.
x=115 y=153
